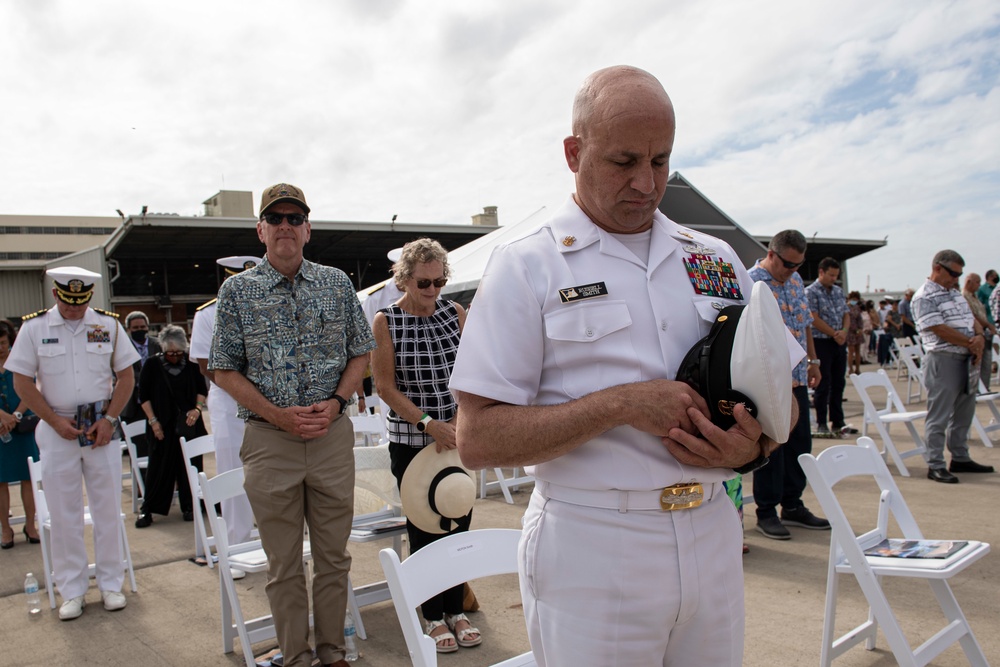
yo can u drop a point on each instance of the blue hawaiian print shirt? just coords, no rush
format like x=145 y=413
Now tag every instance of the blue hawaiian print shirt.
x=791 y=297
x=291 y=339
x=829 y=304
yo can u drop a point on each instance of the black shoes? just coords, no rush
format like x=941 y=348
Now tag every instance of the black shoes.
x=772 y=527
x=144 y=520
x=188 y=516
x=968 y=466
x=803 y=518
x=38 y=540
x=942 y=475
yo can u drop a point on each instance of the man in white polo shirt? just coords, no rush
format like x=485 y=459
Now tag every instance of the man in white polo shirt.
x=631 y=551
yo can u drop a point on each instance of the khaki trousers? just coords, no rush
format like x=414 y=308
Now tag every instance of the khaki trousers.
x=288 y=480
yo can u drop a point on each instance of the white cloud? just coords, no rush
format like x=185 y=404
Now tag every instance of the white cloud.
x=847 y=118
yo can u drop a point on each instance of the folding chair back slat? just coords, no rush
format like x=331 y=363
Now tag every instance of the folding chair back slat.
x=192 y=449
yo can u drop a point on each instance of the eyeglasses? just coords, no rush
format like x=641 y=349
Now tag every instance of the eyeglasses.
x=424 y=283
x=953 y=274
x=789 y=265
x=294 y=219
x=173 y=354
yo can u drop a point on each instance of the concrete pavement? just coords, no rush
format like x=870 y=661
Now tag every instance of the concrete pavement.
x=174 y=618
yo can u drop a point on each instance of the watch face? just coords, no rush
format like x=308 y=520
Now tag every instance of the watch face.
x=421 y=426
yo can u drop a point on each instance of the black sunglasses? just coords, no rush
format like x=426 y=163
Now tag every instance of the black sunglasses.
x=294 y=219
x=424 y=283
x=953 y=274
x=173 y=354
x=787 y=264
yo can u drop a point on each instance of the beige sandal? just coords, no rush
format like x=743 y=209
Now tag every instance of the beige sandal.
x=443 y=637
x=460 y=635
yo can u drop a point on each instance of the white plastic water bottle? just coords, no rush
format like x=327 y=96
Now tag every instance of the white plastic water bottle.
x=31 y=594
x=350 y=648
x=6 y=437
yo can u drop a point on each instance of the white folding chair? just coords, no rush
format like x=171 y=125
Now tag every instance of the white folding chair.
x=991 y=400
x=436 y=568
x=192 y=449
x=883 y=418
x=376 y=501
x=246 y=556
x=505 y=484
x=45 y=529
x=371 y=428
x=911 y=356
x=847 y=557
x=136 y=462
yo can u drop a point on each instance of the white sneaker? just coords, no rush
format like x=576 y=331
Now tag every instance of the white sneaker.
x=237 y=574
x=113 y=600
x=72 y=608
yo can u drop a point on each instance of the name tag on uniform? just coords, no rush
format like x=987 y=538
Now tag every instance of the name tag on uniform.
x=49 y=341
x=581 y=292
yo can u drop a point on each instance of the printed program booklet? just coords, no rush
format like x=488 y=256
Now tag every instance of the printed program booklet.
x=86 y=416
x=383 y=526
x=895 y=548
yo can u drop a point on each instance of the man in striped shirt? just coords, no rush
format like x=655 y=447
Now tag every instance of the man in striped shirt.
x=954 y=343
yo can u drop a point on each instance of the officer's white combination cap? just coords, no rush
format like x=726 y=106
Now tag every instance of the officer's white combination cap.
x=238 y=263
x=74 y=285
x=761 y=363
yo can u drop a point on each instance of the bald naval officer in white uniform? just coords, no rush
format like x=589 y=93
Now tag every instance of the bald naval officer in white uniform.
x=227 y=428
x=75 y=352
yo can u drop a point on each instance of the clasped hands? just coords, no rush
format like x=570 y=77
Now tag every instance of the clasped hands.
x=680 y=416
x=307 y=422
x=100 y=432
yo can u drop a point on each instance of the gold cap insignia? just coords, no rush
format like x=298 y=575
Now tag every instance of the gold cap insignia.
x=568 y=241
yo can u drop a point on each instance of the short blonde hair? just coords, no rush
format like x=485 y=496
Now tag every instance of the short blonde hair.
x=417 y=252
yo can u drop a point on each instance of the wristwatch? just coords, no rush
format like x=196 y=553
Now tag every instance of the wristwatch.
x=813 y=362
x=424 y=421
x=756 y=464
x=18 y=416
x=343 y=403
x=112 y=420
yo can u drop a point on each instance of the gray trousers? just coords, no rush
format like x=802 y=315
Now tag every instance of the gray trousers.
x=949 y=407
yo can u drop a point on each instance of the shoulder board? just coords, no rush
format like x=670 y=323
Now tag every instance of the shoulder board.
x=25 y=318
x=373 y=290
x=106 y=312
x=206 y=304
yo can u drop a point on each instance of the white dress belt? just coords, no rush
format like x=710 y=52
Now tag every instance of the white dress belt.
x=614 y=499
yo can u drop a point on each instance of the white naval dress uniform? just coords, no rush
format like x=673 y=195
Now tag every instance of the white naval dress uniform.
x=607 y=577
x=74 y=368
x=227 y=429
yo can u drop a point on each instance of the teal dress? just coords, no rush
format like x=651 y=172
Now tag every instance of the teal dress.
x=14 y=454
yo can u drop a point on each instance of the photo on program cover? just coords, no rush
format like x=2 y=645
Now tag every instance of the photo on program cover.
x=86 y=416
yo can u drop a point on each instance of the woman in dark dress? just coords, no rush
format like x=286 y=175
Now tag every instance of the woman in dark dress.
x=14 y=454
x=172 y=393
x=417 y=341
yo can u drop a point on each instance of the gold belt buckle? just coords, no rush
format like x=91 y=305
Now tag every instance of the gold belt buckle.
x=681 y=497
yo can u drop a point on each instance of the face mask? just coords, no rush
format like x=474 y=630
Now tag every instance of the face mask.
x=139 y=336
x=853 y=303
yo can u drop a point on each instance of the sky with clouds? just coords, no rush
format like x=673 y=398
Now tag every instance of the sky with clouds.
x=847 y=118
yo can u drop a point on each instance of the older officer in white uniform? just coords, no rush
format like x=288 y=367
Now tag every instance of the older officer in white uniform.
x=227 y=428
x=631 y=548
x=75 y=351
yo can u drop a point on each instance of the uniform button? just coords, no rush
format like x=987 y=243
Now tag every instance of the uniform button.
x=589 y=332
x=663 y=325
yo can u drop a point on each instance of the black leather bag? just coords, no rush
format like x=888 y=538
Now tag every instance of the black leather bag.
x=28 y=424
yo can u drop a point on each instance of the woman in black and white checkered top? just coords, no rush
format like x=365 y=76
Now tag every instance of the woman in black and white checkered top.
x=417 y=341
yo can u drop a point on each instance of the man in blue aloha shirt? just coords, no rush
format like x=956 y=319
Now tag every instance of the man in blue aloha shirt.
x=782 y=481
x=829 y=329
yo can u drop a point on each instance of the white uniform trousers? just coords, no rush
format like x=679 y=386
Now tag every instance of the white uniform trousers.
x=227 y=431
x=637 y=588
x=65 y=465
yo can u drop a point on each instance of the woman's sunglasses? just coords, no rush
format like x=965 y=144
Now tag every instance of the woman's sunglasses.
x=424 y=283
